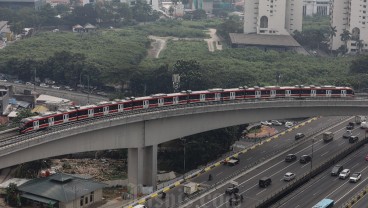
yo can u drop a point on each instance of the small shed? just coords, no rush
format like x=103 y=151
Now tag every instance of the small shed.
x=78 y=28
x=89 y=28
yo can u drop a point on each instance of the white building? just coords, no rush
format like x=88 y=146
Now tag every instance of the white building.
x=316 y=7
x=350 y=15
x=277 y=17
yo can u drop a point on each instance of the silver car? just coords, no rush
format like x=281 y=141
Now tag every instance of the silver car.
x=289 y=176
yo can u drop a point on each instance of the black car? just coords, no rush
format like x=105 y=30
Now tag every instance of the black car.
x=290 y=158
x=231 y=190
x=264 y=182
x=336 y=170
x=350 y=126
x=353 y=139
x=299 y=136
x=305 y=159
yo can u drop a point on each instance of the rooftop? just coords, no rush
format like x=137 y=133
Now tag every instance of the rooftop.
x=263 y=40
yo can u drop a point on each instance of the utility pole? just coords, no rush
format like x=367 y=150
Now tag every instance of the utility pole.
x=89 y=90
x=34 y=85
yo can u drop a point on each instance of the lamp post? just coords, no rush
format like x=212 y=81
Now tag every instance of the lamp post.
x=311 y=168
x=184 y=143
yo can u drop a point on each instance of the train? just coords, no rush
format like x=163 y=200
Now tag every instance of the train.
x=77 y=113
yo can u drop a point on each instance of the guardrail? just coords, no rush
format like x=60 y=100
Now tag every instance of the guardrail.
x=306 y=177
x=355 y=198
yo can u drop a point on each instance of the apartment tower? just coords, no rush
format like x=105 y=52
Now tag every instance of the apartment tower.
x=350 y=15
x=273 y=17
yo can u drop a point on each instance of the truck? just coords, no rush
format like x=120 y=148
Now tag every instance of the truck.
x=328 y=136
x=190 y=188
x=360 y=119
x=364 y=125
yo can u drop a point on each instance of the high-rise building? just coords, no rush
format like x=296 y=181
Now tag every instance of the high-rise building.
x=276 y=17
x=19 y=4
x=316 y=7
x=350 y=15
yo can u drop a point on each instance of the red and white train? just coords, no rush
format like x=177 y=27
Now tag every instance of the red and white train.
x=76 y=113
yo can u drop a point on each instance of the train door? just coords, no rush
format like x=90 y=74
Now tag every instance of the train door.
x=273 y=93
x=313 y=93
x=145 y=104
x=120 y=107
x=51 y=121
x=105 y=110
x=343 y=93
x=258 y=94
x=90 y=113
x=232 y=95
x=175 y=100
x=160 y=102
x=36 y=125
x=65 y=118
x=217 y=96
x=202 y=97
x=328 y=93
x=287 y=93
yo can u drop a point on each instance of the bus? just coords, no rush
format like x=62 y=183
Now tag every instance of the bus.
x=324 y=203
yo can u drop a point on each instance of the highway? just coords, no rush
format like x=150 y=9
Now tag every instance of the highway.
x=327 y=186
x=275 y=168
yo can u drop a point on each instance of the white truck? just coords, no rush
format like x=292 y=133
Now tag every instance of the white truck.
x=328 y=136
x=364 y=125
x=360 y=119
x=190 y=188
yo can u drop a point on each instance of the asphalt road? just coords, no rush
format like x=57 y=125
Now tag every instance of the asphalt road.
x=275 y=168
x=362 y=203
x=327 y=186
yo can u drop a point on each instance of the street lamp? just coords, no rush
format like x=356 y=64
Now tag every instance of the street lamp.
x=184 y=143
x=312 y=158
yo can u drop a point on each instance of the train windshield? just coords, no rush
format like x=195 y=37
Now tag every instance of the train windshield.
x=22 y=123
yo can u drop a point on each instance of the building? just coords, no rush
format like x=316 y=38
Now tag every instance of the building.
x=273 y=16
x=4 y=98
x=62 y=190
x=350 y=15
x=316 y=7
x=5 y=32
x=19 y=4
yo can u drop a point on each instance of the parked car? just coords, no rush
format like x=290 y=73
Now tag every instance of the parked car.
x=18 y=81
x=290 y=157
x=29 y=84
x=289 y=124
x=266 y=123
x=336 y=170
x=232 y=190
x=55 y=87
x=355 y=177
x=289 y=176
x=299 y=136
x=305 y=159
x=43 y=85
x=344 y=174
x=276 y=123
x=347 y=134
x=353 y=139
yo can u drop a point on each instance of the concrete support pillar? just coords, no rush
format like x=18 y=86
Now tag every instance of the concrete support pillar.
x=142 y=168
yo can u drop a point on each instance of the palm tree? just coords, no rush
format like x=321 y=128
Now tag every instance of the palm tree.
x=360 y=45
x=345 y=36
x=331 y=33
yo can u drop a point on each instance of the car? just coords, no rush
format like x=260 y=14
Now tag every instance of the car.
x=264 y=182
x=355 y=177
x=350 y=126
x=289 y=124
x=55 y=87
x=305 y=159
x=344 y=174
x=276 y=123
x=232 y=190
x=3 y=80
x=18 y=81
x=266 y=123
x=289 y=176
x=43 y=85
x=290 y=157
x=366 y=157
x=336 y=170
x=299 y=136
x=347 y=134
x=29 y=84
x=232 y=161
x=353 y=139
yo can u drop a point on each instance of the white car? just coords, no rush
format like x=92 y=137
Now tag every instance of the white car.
x=276 y=123
x=266 y=123
x=43 y=85
x=355 y=177
x=289 y=176
x=29 y=84
x=55 y=87
x=289 y=124
x=344 y=174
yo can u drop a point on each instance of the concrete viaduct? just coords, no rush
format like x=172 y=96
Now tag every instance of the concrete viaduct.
x=141 y=133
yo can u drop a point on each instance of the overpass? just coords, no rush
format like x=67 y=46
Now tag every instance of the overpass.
x=141 y=131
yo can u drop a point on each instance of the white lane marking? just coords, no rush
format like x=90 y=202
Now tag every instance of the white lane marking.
x=219 y=173
x=305 y=165
x=249 y=158
x=324 y=154
x=261 y=191
x=341 y=143
x=354 y=165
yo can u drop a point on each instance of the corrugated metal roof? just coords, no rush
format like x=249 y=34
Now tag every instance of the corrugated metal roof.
x=64 y=190
x=263 y=40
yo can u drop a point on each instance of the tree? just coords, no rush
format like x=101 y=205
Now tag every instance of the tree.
x=231 y=25
x=345 y=37
x=12 y=195
x=191 y=75
x=17 y=27
x=360 y=65
x=142 y=11
x=331 y=33
x=171 y=11
x=23 y=113
x=199 y=14
x=360 y=45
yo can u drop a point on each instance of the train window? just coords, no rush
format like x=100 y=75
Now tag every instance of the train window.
x=98 y=110
x=29 y=124
x=113 y=107
x=210 y=95
x=82 y=112
x=249 y=93
x=239 y=93
x=43 y=121
x=58 y=118
x=194 y=97
x=168 y=99
x=181 y=98
x=265 y=92
x=305 y=92
x=128 y=105
x=137 y=103
x=336 y=92
x=72 y=114
x=282 y=92
x=321 y=92
x=153 y=101
x=294 y=91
